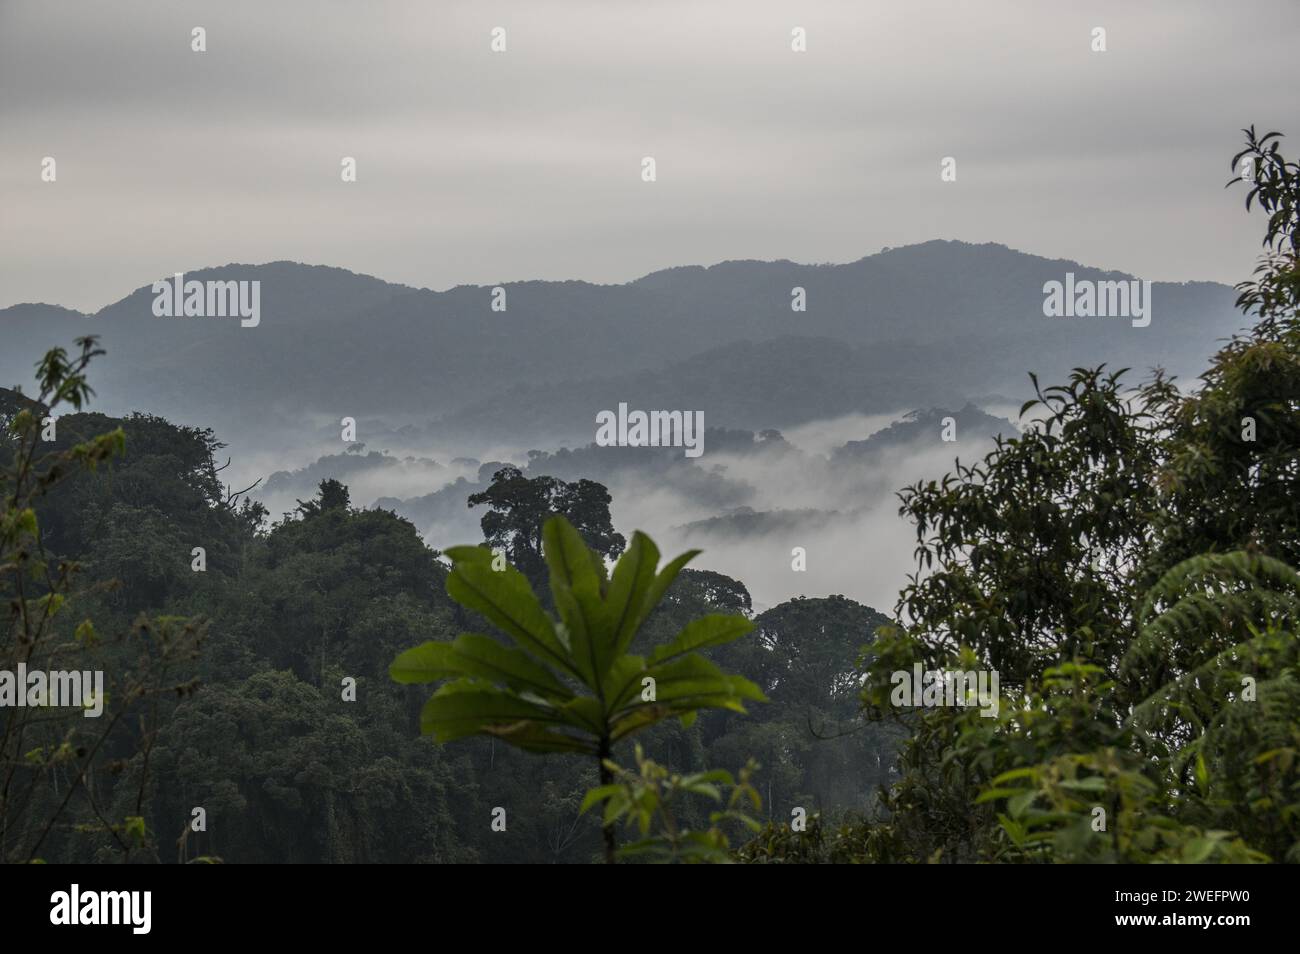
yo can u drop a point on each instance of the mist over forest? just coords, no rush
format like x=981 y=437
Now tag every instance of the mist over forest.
x=327 y=542
x=444 y=389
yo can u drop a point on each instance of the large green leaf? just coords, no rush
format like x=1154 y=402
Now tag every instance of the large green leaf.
x=505 y=598
x=473 y=654
x=659 y=586
x=521 y=693
x=625 y=605
x=680 y=677
x=466 y=707
x=575 y=587
x=428 y=662
x=642 y=717
x=713 y=630
x=681 y=686
x=586 y=711
x=645 y=715
x=572 y=564
x=623 y=680
x=532 y=737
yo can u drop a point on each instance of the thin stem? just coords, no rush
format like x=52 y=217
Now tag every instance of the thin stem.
x=607 y=778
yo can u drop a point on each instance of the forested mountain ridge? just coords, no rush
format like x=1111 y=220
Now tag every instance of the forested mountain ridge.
x=332 y=342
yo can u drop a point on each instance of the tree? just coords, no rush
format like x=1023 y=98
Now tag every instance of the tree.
x=332 y=496
x=339 y=586
x=53 y=749
x=814 y=647
x=1231 y=470
x=519 y=506
x=568 y=685
x=1127 y=566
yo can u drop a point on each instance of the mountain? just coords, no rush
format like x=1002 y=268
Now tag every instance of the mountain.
x=925 y=324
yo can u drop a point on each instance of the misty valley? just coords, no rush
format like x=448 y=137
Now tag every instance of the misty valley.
x=334 y=561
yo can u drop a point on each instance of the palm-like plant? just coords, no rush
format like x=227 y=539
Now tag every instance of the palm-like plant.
x=569 y=684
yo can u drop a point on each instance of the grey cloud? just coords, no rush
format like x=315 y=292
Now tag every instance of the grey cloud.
x=477 y=168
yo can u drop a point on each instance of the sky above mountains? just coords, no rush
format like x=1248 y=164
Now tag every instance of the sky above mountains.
x=482 y=167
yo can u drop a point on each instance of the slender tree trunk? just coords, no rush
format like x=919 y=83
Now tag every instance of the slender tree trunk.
x=607 y=778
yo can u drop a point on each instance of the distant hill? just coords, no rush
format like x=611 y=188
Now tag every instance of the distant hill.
x=745 y=384
x=970 y=425
x=926 y=324
x=14 y=402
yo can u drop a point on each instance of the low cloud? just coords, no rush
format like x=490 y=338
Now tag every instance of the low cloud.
x=747 y=506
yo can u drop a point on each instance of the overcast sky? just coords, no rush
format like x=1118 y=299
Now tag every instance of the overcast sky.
x=475 y=167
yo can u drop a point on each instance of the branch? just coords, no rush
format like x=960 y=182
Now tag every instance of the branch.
x=230 y=498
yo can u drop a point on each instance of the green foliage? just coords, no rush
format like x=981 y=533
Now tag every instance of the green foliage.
x=569 y=684
x=1023 y=555
x=332 y=496
x=334 y=591
x=1127 y=566
x=1055 y=812
x=1225 y=629
x=53 y=758
x=1274 y=186
x=650 y=798
x=288 y=772
x=519 y=507
x=851 y=842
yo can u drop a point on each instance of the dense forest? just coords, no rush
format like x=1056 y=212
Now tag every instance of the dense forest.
x=285 y=767
x=1126 y=566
